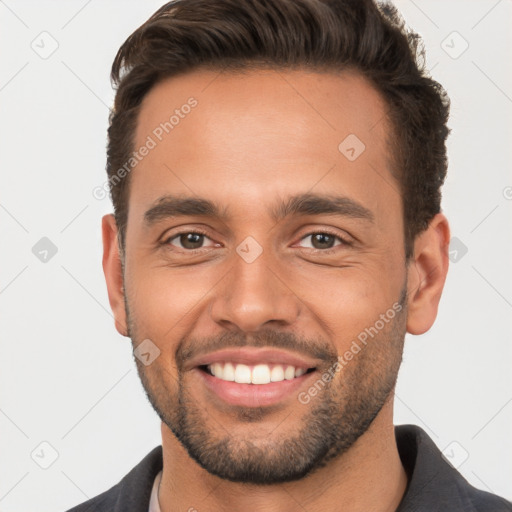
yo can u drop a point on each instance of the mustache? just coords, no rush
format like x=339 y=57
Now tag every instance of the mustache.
x=196 y=347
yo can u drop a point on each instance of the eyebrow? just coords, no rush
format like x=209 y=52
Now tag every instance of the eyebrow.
x=171 y=206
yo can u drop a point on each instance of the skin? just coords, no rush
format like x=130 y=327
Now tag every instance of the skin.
x=255 y=138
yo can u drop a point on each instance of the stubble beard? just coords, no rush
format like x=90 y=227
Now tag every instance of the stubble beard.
x=339 y=414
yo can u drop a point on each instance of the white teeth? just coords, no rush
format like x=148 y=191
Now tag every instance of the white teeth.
x=242 y=374
x=277 y=374
x=299 y=372
x=261 y=374
x=289 y=373
x=217 y=370
x=258 y=374
x=229 y=372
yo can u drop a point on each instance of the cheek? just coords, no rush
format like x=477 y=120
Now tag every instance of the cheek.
x=168 y=303
x=163 y=301
x=347 y=301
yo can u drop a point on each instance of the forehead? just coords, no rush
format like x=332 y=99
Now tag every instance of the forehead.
x=261 y=132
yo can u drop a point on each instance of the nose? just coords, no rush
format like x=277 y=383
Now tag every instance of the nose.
x=255 y=294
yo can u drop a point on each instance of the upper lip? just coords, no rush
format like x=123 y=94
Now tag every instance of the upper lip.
x=252 y=356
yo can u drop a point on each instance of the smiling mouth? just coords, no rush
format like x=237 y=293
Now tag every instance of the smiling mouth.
x=258 y=374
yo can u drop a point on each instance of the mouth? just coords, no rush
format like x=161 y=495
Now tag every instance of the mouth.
x=253 y=377
x=259 y=374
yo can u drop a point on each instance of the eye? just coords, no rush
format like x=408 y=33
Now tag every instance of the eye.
x=189 y=240
x=323 y=240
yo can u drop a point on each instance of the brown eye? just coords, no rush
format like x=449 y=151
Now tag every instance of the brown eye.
x=189 y=240
x=322 y=241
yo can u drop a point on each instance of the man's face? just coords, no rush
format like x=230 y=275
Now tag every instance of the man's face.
x=266 y=283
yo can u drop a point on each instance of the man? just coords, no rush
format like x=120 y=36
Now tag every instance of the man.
x=275 y=168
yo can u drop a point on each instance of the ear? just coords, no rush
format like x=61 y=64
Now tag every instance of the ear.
x=113 y=272
x=427 y=274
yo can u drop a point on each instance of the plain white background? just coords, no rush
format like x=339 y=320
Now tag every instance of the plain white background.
x=68 y=379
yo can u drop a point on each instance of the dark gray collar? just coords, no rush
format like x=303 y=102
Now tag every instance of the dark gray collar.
x=434 y=484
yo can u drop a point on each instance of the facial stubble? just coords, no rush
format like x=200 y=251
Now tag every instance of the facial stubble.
x=333 y=420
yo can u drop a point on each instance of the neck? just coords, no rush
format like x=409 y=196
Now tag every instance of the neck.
x=369 y=476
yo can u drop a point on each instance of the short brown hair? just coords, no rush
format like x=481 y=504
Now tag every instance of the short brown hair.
x=322 y=35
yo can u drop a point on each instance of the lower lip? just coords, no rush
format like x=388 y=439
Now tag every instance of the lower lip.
x=252 y=395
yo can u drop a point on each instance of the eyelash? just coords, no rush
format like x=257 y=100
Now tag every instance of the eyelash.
x=344 y=242
x=196 y=231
